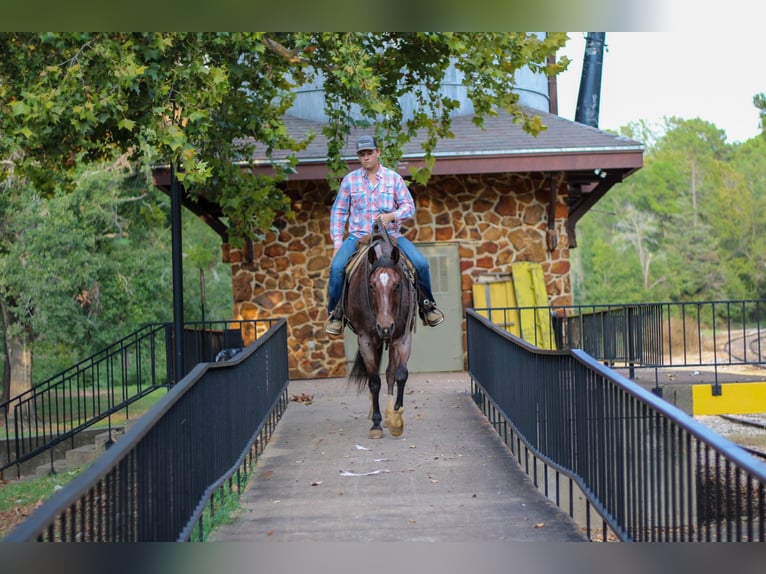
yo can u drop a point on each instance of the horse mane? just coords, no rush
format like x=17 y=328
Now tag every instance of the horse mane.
x=385 y=259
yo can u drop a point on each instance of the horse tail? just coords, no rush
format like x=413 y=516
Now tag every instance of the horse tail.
x=359 y=373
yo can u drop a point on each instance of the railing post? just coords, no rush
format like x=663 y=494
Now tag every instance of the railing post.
x=631 y=345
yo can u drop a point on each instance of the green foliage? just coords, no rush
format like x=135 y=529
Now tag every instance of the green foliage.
x=85 y=255
x=759 y=101
x=81 y=270
x=202 y=100
x=687 y=226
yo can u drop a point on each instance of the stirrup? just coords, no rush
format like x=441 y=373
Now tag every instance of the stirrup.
x=334 y=325
x=432 y=315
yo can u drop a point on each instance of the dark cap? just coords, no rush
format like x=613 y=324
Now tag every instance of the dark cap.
x=366 y=142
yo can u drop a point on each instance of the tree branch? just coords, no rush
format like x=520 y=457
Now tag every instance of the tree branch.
x=291 y=56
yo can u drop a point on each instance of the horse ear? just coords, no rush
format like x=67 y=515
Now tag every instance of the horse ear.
x=395 y=254
x=371 y=256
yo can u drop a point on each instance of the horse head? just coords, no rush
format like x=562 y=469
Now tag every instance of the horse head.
x=385 y=287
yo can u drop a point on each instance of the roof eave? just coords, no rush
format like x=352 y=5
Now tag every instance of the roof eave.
x=625 y=159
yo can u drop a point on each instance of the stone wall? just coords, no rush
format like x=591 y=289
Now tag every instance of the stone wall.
x=496 y=219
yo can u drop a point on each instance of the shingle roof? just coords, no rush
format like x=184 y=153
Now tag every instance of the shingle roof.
x=500 y=136
x=502 y=146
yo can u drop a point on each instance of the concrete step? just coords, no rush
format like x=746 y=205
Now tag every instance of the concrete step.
x=45 y=469
x=82 y=455
x=104 y=440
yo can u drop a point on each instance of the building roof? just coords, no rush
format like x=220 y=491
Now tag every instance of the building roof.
x=501 y=146
x=591 y=161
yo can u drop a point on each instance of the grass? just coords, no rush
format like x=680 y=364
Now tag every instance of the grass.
x=226 y=506
x=26 y=492
x=138 y=408
x=20 y=498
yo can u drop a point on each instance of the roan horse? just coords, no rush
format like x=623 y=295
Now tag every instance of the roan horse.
x=380 y=309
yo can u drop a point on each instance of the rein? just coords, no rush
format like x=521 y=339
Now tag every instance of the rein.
x=380 y=234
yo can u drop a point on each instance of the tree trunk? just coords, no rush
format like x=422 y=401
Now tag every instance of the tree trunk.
x=17 y=373
x=6 y=392
x=20 y=359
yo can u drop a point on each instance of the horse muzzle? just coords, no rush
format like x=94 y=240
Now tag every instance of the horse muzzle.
x=385 y=333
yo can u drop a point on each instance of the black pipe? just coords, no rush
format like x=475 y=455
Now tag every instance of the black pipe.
x=590 y=81
x=178 y=286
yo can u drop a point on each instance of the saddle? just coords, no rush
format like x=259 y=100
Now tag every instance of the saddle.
x=363 y=245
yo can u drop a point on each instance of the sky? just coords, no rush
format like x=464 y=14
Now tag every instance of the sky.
x=706 y=73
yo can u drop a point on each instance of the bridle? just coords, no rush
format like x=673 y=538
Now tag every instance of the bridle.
x=384 y=261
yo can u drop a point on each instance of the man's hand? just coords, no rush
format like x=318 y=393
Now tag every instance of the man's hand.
x=386 y=218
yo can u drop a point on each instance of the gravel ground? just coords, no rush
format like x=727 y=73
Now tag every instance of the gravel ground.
x=747 y=435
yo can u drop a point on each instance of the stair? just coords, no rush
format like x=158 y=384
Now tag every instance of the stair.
x=82 y=455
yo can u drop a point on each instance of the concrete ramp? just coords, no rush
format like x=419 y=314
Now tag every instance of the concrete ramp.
x=448 y=478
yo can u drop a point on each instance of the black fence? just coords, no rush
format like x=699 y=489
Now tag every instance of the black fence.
x=620 y=460
x=54 y=411
x=649 y=335
x=156 y=483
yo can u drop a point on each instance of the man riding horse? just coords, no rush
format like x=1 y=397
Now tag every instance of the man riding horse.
x=373 y=192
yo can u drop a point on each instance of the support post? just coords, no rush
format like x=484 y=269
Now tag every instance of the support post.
x=178 y=287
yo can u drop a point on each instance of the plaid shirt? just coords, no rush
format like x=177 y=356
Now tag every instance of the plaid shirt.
x=358 y=202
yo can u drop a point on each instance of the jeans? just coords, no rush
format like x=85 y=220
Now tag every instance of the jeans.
x=347 y=250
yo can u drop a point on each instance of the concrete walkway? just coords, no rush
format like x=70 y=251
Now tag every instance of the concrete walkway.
x=448 y=478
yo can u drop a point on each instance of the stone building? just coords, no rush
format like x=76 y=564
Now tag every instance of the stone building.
x=497 y=196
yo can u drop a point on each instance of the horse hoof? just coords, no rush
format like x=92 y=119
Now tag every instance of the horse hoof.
x=396 y=424
x=375 y=433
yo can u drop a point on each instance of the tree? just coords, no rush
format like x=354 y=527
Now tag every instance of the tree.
x=203 y=100
x=759 y=101
x=676 y=221
x=82 y=269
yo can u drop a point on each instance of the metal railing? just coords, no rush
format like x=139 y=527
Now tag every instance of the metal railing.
x=159 y=479
x=647 y=335
x=585 y=432
x=95 y=389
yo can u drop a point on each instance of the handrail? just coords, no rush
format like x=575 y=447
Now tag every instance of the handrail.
x=109 y=381
x=649 y=470
x=155 y=482
x=700 y=334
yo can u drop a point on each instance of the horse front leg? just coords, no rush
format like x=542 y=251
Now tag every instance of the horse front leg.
x=397 y=373
x=369 y=356
x=375 y=431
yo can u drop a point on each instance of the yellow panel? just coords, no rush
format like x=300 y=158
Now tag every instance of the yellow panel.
x=525 y=297
x=543 y=316
x=513 y=320
x=529 y=284
x=480 y=298
x=497 y=295
x=735 y=399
